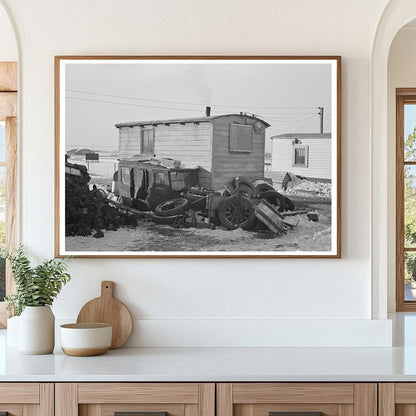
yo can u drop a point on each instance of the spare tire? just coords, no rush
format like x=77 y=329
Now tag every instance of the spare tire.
x=172 y=207
x=275 y=198
x=163 y=220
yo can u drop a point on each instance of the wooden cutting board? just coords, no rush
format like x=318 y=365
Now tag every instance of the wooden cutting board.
x=107 y=309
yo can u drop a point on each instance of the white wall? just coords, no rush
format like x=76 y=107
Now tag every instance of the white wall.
x=8 y=46
x=401 y=74
x=318 y=157
x=203 y=302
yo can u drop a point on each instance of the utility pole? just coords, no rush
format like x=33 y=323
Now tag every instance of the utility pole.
x=321 y=117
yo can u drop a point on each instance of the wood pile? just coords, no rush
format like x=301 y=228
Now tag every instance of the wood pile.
x=87 y=211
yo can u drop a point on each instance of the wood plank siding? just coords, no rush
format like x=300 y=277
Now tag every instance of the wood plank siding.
x=318 y=156
x=129 y=142
x=227 y=165
x=204 y=142
x=190 y=143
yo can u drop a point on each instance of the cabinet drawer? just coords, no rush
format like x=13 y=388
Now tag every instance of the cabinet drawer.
x=144 y=399
x=397 y=399
x=297 y=399
x=21 y=399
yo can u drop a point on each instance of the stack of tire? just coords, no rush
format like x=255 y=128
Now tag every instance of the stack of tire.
x=237 y=211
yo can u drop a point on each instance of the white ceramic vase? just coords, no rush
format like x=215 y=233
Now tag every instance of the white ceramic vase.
x=37 y=330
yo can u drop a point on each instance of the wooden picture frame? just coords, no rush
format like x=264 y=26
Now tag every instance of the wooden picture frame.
x=198 y=156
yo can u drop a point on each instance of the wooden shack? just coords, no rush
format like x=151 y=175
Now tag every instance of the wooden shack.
x=303 y=154
x=223 y=146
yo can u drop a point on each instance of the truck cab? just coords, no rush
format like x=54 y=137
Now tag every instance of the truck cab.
x=145 y=184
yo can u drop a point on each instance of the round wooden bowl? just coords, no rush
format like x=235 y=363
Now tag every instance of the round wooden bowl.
x=84 y=340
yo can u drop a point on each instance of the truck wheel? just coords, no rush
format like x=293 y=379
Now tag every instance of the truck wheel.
x=275 y=198
x=236 y=211
x=244 y=190
x=263 y=187
x=289 y=204
x=172 y=207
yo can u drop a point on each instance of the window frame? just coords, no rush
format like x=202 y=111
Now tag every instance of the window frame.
x=297 y=147
x=233 y=135
x=8 y=114
x=151 y=151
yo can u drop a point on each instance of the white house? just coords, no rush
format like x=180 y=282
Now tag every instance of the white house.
x=304 y=154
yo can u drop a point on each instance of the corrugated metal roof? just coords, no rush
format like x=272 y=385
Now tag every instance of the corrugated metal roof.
x=303 y=136
x=186 y=120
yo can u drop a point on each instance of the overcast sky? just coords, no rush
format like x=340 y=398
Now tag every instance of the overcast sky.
x=99 y=95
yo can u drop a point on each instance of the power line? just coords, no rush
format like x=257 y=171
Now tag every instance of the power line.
x=187 y=103
x=303 y=126
x=131 y=105
x=288 y=117
x=293 y=119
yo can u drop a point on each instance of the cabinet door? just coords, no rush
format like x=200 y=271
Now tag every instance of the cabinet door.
x=141 y=399
x=297 y=399
x=397 y=399
x=26 y=399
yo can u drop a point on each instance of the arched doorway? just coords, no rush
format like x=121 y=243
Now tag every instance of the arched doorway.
x=396 y=15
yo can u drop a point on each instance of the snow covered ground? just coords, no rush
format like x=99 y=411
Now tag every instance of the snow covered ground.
x=148 y=236
x=307 y=236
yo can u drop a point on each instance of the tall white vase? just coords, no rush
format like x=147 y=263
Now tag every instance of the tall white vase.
x=37 y=330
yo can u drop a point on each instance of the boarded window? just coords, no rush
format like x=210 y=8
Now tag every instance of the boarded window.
x=148 y=142
x=241 y=138
x=300 y=156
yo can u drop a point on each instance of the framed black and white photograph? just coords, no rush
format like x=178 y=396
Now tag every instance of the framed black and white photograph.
x=198 y=156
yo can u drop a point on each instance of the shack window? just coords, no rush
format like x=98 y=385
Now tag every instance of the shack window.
x=178 y=182
x=147 y=142
x=300 y=156
x=241 y=138
x=126 y=176
x=161 y=178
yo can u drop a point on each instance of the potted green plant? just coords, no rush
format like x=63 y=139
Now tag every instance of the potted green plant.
x=36 y=289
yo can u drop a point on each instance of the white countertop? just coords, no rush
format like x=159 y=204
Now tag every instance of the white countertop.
x=215 y=364
x=221 y=364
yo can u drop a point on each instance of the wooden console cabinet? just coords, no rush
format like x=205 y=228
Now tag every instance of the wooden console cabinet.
x=208 y=399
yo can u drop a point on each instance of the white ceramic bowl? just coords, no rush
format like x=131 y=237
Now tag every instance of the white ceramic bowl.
x=84 y=340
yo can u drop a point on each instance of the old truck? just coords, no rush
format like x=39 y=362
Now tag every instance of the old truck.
x=144 y=184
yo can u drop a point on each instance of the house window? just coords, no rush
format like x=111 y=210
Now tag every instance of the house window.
x=300 y=156
x=406 y=200
x=147 y=142
x=241 y=138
